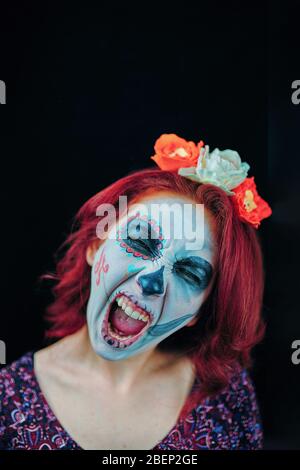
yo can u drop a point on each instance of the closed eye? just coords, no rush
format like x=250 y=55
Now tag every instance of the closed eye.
x=142 y=245
x=138 y=236
x=195 y=270
x=189 y=276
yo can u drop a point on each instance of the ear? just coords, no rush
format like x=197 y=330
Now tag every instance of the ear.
x=91 y=251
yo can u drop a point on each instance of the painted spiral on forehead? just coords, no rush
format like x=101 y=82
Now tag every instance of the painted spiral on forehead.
x=141 y=237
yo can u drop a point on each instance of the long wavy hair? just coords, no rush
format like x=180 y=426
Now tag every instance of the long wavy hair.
x=229 y=321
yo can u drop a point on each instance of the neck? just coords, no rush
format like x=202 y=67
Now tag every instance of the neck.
x=123 y=374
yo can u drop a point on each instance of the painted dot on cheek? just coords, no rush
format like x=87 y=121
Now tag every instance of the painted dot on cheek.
x=131 y=269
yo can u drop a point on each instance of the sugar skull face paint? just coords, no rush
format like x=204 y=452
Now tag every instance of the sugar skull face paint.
x=144 y=286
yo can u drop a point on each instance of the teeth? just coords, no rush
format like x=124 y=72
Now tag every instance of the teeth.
x=134 y=314
x=142 y=317
x=128 y=310
x=124 y=302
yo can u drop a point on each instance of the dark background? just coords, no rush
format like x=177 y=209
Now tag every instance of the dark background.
x=90 y=89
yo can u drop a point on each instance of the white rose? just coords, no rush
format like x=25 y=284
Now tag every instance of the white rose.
x=222 y=168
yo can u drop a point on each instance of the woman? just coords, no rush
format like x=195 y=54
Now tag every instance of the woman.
x=153 y=331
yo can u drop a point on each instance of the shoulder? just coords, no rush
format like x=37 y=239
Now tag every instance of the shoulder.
x=26 y=420
x=231 y=419
x=14 y=376
x=17 y=387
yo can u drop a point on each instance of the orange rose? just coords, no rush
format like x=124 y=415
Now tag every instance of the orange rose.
x=173 y=152
x=250 y=206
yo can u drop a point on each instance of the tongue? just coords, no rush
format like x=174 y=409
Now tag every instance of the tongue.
x=125 y=324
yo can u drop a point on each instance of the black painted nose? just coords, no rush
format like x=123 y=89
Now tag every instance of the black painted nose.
x=152 y=283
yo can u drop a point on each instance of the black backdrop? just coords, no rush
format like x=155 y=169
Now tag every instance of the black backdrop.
x=88 y=92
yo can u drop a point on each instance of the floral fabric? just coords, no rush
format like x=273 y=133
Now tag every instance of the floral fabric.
x=228 y=421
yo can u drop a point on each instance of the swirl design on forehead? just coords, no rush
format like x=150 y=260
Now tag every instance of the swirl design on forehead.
x=141 y=237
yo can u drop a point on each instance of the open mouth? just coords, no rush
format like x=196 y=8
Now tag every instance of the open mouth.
x=125 y=321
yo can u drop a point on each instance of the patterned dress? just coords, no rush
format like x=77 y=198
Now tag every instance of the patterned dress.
x=230 y=420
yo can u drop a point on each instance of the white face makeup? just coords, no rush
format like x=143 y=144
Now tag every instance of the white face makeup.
x=146 y=287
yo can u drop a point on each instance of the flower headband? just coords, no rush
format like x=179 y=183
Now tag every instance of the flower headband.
x=222 y=168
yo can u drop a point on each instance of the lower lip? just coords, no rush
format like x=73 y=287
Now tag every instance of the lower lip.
x=114 y=342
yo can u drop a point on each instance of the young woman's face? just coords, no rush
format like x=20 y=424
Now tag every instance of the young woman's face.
x=151 y=279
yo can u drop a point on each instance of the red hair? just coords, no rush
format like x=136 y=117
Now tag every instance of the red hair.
x=229 y=322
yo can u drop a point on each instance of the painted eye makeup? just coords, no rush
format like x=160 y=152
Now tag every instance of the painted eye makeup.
x=141 y=237
x=194 y=270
